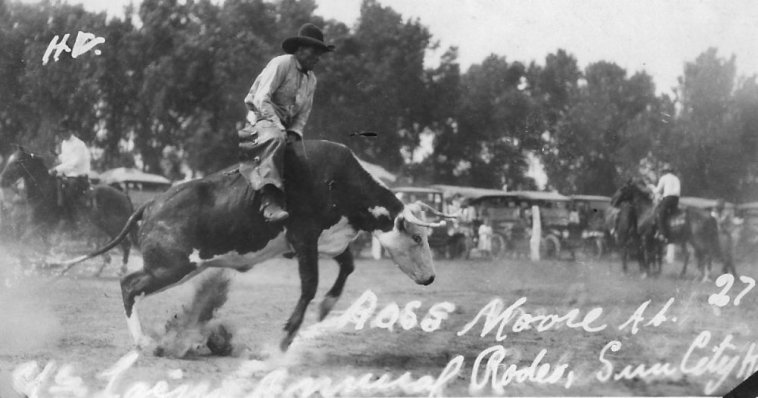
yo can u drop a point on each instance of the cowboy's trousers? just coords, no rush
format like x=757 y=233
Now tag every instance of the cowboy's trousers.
x=261 y=154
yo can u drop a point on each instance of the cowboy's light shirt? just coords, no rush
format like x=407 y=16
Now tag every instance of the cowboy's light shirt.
x=668 y=185
x=74 y=158
x=283 y=94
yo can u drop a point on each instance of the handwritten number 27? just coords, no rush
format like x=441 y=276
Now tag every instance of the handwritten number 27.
x=726 y=281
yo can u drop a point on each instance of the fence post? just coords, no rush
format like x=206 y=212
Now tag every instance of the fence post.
x=534 y=241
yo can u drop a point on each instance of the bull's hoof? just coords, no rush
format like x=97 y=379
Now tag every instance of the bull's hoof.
x=326 y=306
x=220 y=341
x=144 y=343
x=286 y=342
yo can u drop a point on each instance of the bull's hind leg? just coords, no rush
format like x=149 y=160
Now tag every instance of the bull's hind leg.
x=161 y=270
x=347 y=265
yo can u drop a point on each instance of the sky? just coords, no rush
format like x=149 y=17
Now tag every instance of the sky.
x=658 y=37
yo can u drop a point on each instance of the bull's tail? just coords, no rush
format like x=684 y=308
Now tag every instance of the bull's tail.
x=130 y=223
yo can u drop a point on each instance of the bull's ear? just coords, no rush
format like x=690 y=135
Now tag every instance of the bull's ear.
x=400 y=223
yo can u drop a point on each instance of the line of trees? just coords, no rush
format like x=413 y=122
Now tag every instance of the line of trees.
x=169 y=81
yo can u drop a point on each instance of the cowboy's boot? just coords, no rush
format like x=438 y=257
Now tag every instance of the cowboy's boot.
x=271 y=204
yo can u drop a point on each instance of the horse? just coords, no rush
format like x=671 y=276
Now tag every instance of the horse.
x=108 y=213
x=626 y=237
x=689 y=226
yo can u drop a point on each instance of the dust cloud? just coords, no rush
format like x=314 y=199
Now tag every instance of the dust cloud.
x=27 y=321
x=194 y=331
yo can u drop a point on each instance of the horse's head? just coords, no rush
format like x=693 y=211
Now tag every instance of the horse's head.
x=20 y=164
x=623 y=194
x=631 y=190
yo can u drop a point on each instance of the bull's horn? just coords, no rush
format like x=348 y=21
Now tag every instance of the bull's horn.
x=435 y=211
x=411 y=218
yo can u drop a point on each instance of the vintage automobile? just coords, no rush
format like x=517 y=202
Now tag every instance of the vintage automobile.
x=140 y=186
x=594 y=238
x=446 y=241
x=554 y=218
x=484 y=205
x=510 y=213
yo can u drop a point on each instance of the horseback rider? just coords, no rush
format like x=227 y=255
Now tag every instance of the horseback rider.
x=722 y=217
x=724 y=220
x=669 y=188
x=72 y=171
x=279 y=103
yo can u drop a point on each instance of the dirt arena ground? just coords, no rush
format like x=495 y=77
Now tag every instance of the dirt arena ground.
x=664 y=331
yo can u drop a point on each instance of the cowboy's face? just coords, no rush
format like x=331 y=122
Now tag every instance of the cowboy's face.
x=308 y=56
x=62 y=135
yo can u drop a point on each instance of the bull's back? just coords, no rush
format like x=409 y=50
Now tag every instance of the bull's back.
x=220 y=213
x=213 y=215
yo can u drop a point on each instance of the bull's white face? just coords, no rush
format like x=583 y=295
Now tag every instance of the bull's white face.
x=408 y=245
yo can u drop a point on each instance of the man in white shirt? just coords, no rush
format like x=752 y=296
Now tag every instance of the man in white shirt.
x=74 y=157
x=669 y=187
x=279 y=103
x=72 y=171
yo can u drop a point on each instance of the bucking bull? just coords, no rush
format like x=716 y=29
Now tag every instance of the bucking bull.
x=215 y=222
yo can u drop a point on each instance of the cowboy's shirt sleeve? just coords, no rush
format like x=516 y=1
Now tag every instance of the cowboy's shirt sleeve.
x=263 y=88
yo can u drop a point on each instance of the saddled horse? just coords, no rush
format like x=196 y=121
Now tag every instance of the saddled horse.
x=688 y=226
x=625 y=235
x=108 y=212
x=622 y=220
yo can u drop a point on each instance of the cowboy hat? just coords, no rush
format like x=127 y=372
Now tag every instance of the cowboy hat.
x=308 y=35
x=64 y=126
x=667 y=168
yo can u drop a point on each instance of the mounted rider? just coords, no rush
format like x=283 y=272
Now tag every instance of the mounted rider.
x=669 y=188
x=279 y=103
x=725 y=223
x=72 y=171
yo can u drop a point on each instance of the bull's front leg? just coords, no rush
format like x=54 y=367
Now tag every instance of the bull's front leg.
x=307 y=258
x=347 y=265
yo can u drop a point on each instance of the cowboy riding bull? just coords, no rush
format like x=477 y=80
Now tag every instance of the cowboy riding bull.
x=215 y=222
